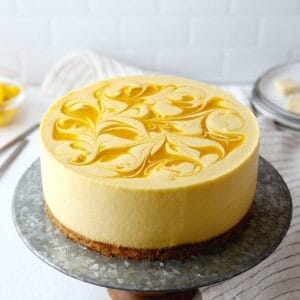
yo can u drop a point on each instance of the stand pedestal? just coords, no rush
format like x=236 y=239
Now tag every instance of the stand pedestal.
x=125 y=295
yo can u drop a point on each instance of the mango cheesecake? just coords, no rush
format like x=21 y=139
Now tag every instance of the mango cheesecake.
x=148 y=166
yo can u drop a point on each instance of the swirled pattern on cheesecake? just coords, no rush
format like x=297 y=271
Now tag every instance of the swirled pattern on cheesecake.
x=135 y=129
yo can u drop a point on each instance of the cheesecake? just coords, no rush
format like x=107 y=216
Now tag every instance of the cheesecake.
x=148 y=166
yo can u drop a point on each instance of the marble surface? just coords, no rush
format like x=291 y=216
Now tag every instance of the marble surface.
x=267 y=226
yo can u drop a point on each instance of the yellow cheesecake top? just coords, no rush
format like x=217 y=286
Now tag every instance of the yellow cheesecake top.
x=150 y=132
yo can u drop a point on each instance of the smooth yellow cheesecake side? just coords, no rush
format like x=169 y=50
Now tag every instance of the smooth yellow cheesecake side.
x=149 y=162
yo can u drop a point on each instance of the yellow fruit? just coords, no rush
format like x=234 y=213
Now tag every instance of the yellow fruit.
x=1 y=93
x=11 y=91
x=7 y=95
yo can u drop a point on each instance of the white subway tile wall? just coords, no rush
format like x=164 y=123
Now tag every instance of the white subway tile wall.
x=195 y=63
x=89 y=32
x=219 y=31
x=128 y=7
x=154 y=31
x=244 y=64
x=52 y=7
x=212 y=40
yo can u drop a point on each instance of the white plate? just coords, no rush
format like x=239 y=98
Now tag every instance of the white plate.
x=268 y=101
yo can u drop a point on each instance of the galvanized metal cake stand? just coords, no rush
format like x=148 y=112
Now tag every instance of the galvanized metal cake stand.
x=171 y=279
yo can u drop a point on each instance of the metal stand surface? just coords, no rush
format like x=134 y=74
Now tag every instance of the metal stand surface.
x=171 y=279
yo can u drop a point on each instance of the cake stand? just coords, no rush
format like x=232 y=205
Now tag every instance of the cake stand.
x=171 y=279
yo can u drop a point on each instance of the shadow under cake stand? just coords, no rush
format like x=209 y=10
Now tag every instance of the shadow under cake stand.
x=171 y=279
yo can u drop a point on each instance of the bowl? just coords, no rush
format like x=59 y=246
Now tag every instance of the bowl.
x=10 y=108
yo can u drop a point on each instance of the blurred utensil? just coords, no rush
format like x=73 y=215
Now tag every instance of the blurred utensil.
x=20 y=137
x=13 y=156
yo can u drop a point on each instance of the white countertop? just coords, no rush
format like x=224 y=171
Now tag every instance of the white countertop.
x=23 y=275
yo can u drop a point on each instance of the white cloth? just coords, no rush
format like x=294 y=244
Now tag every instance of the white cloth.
x=79 y=69
x=278 y=277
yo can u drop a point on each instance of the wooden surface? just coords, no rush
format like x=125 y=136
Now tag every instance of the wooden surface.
x=124 y=295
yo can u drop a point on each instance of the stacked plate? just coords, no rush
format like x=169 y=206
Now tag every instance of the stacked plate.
x=268 y=101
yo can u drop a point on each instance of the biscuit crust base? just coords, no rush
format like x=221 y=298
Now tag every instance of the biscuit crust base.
x=178 y=252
